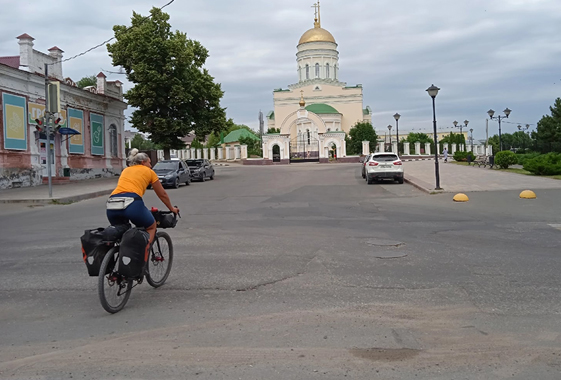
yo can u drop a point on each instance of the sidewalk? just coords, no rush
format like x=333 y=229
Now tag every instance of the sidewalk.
x=458 y=178
x=67 y=193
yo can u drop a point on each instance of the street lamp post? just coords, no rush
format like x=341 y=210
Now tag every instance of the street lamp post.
x=471 y=130
x=390 y=132
x=499 y=118
x=433 y=91
x=466 y=122
x=520 y=128
x=396 y=117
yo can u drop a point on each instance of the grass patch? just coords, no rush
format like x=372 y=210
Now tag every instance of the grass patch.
x=462 y=163
x=59 y=202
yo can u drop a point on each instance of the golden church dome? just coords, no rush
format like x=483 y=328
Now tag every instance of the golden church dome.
x=316 y=34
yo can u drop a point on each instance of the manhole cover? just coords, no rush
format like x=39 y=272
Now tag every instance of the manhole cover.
x=389 y=255
x=375 y=242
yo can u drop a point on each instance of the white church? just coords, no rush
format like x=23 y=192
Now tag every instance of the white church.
x=315 y=114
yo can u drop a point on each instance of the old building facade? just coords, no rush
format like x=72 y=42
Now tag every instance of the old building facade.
x=94 y=115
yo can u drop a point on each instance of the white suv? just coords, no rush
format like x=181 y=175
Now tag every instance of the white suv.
x=384 y=165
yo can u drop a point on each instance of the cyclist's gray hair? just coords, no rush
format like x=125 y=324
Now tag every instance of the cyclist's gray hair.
x=136 y=158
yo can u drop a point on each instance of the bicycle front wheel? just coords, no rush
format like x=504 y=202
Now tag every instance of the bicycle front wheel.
x=114 y=290
x=159 y=260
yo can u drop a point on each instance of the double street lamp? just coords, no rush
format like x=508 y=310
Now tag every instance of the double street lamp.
x=396 y=117
x=466 y=122
x=520 y=128
x=499 y=118
x=433 y=91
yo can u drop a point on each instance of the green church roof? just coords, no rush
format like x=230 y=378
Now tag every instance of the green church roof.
x=236 y=135
x=321 y=108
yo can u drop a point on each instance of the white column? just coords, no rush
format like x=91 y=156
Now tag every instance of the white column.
x=427 y=148
x=344 y=148
x=237 y=152
x=453 y=150
x=365 y=147
x=212 y=154
x=193 y=156
x=461 y=146
x=406 y=149
x=220 y=153
x=205 y=153
x=490 y=150
x=394 y=147
x=380 y=147
x=243 y=152
x=418 y=148
x=228 y=153
x=265 y=151
x=438 y=148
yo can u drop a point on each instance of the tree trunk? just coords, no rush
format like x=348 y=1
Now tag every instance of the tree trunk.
x=167 y=155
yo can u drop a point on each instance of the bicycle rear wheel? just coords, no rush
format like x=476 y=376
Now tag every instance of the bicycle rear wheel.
x=114 y=290
x=159 y=260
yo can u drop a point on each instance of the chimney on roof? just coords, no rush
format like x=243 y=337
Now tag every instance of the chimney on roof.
x=101 y=83
x=25 y=52
x=55 y=70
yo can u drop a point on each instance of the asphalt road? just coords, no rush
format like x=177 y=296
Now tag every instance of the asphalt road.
x=295 y=272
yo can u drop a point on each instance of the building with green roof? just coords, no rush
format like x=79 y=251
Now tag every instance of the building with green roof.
x=233 y=138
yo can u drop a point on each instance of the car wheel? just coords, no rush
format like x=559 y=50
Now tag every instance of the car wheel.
x=176 y=183
x=369 y=181
x=188 y=182
x=203 y=178
x=212 y=176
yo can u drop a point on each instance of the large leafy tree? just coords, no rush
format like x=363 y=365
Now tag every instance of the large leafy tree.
x=361 y=131
x=420 y=137
x=141 y=143
x=173 y=93
x=87 y=81
x=548 y=131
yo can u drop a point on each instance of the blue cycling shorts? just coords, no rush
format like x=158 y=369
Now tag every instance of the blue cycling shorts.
x=136 y=213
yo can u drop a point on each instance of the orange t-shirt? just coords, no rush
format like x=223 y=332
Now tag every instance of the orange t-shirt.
x=135 y=179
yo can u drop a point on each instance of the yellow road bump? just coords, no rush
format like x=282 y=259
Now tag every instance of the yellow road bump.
x=528 y=194
x=461 y=198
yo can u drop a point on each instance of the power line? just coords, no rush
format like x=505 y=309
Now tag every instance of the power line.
x=106 y=41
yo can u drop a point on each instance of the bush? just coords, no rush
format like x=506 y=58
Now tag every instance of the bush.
x=463 y=156
x=522 y=158
x=505 y=158
x=545 y=164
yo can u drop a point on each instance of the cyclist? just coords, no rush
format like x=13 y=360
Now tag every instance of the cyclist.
x=125 y=202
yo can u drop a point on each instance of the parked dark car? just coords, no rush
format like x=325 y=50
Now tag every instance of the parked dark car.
x=172 y=172
x=201 y=169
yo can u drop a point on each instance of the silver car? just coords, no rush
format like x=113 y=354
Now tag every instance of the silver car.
x=382 y=166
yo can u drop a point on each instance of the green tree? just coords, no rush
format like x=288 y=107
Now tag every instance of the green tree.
x=423 y=138
x=173 y=93
x=361 y=131
x=548 y=131
x=87 y=81
x=273 y=130
x=140 y=143
x=213 y=140
x=253 y=146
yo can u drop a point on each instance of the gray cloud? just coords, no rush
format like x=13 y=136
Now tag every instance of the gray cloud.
x=483 y=54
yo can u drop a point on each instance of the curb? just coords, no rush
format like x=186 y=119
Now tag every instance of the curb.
x=428 y=191
x=61 y=200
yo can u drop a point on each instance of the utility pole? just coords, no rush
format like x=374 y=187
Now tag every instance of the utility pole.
x=48 y=130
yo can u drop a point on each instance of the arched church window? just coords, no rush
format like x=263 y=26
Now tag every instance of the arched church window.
x=327 y=70
x=317 y=70
x=307 y=71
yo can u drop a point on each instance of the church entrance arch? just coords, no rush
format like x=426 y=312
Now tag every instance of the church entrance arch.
x=304 y=148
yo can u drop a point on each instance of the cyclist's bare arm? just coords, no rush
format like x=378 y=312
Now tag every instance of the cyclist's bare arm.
x=161 y=193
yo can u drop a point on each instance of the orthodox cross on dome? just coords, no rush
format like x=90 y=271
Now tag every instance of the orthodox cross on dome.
x=317 y=19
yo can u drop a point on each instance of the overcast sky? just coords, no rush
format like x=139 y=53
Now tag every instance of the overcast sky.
x=481 y=53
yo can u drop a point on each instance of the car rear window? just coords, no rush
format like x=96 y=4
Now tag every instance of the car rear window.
x=385 y=157
x=194 y=162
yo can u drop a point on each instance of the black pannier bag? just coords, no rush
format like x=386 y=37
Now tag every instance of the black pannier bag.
x=114 y=233
x=132 y=251
x=93 y=249
x=165 y=219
